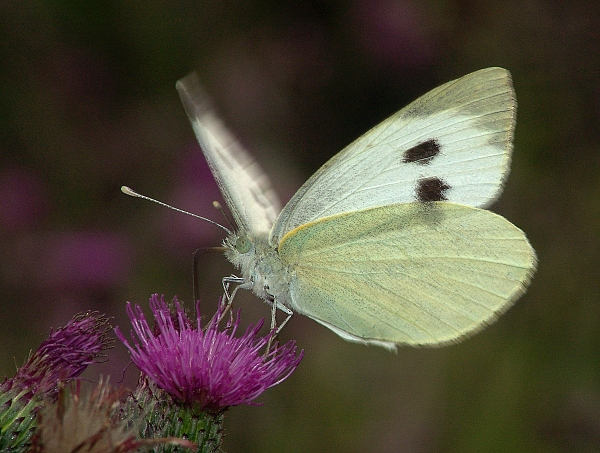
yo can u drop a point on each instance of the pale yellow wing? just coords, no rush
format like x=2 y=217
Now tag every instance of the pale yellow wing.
x=411 y=273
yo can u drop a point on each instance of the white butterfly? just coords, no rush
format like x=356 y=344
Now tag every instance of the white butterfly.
x=386 y=243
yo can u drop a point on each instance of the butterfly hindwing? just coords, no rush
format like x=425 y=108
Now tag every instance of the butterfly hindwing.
x=452 y=144
x=245 y=188
x=407 y=273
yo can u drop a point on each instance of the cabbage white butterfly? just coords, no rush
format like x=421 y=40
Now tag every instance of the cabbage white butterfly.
x=387 y=243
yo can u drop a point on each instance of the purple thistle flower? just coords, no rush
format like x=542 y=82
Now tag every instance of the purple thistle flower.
x=66 y=353
x=63 y=356
x=207 y=367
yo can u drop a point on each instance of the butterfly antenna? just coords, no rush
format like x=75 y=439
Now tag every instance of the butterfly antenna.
x=126 y=190
x=218 y=206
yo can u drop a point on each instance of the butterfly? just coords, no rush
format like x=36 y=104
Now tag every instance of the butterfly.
x=389 y=243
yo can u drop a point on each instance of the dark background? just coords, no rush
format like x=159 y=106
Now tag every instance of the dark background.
x=87 y=103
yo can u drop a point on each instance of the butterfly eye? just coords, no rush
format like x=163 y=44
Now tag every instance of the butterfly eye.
x=243 y=244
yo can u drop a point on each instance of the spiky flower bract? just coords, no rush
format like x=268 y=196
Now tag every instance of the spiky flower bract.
x=78 y=422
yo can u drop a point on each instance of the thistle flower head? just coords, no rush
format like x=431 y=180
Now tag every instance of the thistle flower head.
x=66 y=353
x=209 y=367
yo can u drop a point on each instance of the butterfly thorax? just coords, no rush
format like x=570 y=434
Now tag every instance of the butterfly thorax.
x=260 y=265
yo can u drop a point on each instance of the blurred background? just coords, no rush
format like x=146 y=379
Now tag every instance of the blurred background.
x=87 y=103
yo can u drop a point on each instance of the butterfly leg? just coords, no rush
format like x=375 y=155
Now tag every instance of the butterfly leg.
x=232 y=279
x=227 y=299
x=274 y=327
x=284 y=309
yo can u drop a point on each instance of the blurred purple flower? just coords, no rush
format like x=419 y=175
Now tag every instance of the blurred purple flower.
x=64 y=355
x=207 y=367
x=85 y=259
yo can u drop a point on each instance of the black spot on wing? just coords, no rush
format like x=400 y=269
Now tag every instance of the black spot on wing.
x=422 y=153
x=431 y=189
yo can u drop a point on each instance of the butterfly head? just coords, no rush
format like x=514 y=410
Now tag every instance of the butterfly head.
x=240 y=249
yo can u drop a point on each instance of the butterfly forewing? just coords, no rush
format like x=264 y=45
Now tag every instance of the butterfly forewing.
x=245 y=188
x=452 y=144
x=407 y=273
